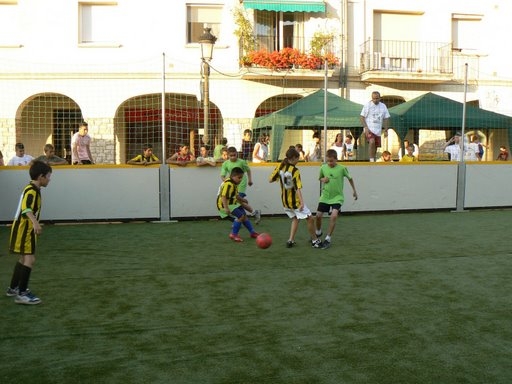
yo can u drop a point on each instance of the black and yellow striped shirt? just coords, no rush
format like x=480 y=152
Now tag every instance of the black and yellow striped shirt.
x=23 y=238
x=289 y=177
x=229 y=190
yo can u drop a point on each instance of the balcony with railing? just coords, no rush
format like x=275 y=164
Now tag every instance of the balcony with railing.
x=411 y=61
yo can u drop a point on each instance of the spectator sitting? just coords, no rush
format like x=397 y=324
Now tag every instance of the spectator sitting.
x=247 y=145
x=409 y=156
x=20 y=158
x=416 y=152
x=503 y=155
x=300 y=149
x=50 y=157
x=203 y=158
x=385 y=157
x=182 y=157
x=223 y=155
x=146 y=158
x=348 y=148
x=217 y=151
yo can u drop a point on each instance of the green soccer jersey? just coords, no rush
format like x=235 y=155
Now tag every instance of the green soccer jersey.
x=332 y=192
x=228 y=165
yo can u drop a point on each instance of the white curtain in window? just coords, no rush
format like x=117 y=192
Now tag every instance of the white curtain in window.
x=97 y=25
x=8 y=23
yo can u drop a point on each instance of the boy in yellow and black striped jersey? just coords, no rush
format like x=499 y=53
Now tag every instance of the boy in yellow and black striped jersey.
x=291 y=195
x=24 y=231
x=231 y=205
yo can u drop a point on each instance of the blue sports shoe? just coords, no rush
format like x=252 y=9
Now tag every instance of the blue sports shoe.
x=27 y=298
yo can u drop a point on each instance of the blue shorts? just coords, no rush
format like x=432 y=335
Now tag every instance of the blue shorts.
x=237 y=213
x=327 y=208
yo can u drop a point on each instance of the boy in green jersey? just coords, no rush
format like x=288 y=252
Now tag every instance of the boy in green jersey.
x=332 y=176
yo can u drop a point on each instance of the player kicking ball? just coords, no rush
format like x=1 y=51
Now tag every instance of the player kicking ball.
x=332 y=177
x=229 y=204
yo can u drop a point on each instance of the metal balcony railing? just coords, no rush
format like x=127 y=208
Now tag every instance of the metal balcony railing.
x=406 y=56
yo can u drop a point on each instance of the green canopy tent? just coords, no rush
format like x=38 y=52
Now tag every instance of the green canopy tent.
x=431 y=111
x=308 y=113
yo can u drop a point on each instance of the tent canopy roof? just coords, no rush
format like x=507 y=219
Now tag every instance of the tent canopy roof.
x=431 y=111
x=308 y=112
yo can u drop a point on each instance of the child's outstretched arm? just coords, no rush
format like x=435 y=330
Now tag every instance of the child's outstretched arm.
x=354 y=192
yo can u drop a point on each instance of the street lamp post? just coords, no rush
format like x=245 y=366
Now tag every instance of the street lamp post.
x=207 y=41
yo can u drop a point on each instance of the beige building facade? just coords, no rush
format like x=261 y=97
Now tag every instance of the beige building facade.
x=133 y=69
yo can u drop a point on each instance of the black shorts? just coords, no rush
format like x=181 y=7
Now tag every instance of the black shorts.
x=326 y=208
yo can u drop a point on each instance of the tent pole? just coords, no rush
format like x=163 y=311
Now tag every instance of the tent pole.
x=325 y=108
x=461 y=169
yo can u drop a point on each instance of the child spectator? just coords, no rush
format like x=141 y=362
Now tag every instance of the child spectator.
x=20 y=158
x=503 y=155
x=291 y=195
x=204 y=158
x=409 y=156
x=302 y=155
x=348 y=149
x=385 y=157
x=146 y=158
x=217 y=151
x=229 y=204
x=24 y=231
x=314 y=152
x=332 y=177
x=260 y=152
x=182 y=157
x=247 y=145
x=50 y=157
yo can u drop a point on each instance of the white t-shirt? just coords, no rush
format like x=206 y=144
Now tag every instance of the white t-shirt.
x=349 y=151
x=25 y=160
x=454 y=151
x=262 y=152
x=339 y=151
x=374 y=116
x=315 y=152
x=82 y=143
x=471 y=151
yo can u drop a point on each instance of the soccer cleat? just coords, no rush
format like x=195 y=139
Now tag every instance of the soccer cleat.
x=326 y=244
x=12 y=292
x=290 y=244
x=27 y=298
x=236 y=238
x=254 y=235
x=257 y=216
x=316 y=243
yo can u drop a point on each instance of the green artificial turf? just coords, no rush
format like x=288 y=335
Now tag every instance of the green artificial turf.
x=398 y=298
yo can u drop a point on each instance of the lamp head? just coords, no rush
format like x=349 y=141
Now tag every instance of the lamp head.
x=207 y=41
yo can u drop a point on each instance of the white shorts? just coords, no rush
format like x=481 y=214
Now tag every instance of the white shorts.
x=304 y=214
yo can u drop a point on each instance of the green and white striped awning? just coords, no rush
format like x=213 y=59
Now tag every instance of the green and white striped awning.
x=286 y=5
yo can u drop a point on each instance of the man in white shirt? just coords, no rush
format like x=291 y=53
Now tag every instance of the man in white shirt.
x=374 y=118
x=80 y=146
x=20 y=158
x=452 y=147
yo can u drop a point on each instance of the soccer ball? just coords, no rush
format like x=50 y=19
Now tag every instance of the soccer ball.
x=264 y=240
